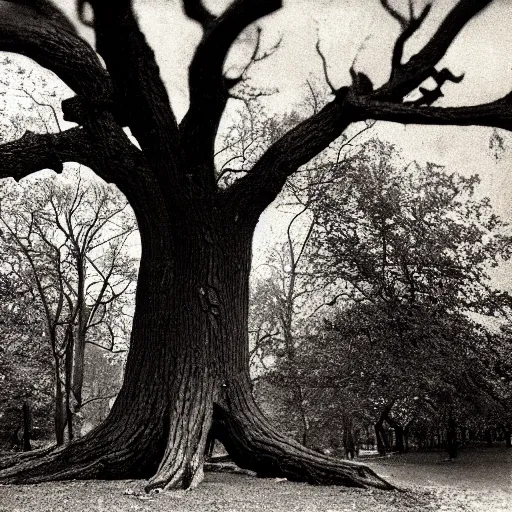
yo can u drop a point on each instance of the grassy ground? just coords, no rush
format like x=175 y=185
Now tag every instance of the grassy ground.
x=479 y=481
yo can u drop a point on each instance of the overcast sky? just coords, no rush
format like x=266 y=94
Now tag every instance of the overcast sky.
x=359 y=32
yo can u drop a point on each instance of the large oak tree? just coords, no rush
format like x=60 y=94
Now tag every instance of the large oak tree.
x=187 y=370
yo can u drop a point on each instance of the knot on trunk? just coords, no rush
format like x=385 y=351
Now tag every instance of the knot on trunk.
x=210 y=300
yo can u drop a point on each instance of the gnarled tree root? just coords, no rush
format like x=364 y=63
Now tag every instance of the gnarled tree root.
x=117 y=452
x=254 y=444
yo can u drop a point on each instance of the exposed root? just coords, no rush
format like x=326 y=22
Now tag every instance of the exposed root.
x=182 y=464
x=16 y=458
x=118 y=450
x=110 y=452
x=255 y=445
x=44 y=467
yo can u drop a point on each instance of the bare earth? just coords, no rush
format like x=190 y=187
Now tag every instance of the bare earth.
x=480 y=480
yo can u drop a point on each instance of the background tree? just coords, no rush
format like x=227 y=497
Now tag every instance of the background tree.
x=66 y=248
x=25 y=367
x=188 y=360
x=409 y=251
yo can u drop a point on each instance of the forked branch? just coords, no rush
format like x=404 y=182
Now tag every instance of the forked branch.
x=196 y=11
x=408 y=25
x=209 y=89
x=407 y=77
x=324 y=66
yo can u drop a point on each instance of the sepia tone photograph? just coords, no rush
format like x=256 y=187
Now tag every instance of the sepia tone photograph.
x=255 y=255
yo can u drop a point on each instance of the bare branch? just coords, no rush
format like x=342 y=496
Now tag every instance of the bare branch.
x=196 y=11
x=96 y=398
x=409 y=28
x=324 y=66
x=257 y=56
x=496 y=114
x=402 y=20
x=406 y=77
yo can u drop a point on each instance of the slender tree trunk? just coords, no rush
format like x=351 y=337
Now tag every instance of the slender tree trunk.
x=68 y=375
x=59 y=410
x=407 y=430
x=349 y=443
x=507 y=432
x=79 y=342
x=303 y=415
x=380 y=436
x=399 y=433
x=488 y=437
x=451 y=438
x=27 y=427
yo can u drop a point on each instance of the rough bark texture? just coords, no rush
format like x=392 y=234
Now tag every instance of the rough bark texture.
x=187 y=369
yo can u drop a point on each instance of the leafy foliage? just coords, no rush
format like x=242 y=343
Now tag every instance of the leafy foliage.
x=403 y=255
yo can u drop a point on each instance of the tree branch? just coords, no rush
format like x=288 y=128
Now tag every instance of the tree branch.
x=325 y=67
x=34 y=152
x=96 y=398
x=209 y=89
x=142 y=102
x=196 y=11
x=497 y=114
x=39 y=31
x=406 y=77
x=409 y=27
x=251 y=194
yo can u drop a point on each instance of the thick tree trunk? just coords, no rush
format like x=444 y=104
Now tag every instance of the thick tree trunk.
x=187 y=371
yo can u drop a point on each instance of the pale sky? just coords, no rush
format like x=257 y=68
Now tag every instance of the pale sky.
x=359 y=31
